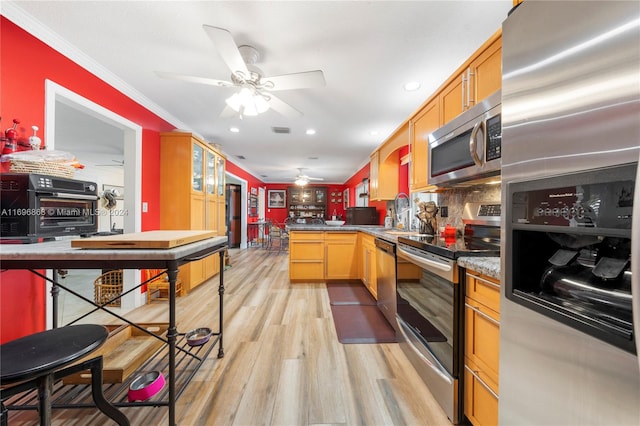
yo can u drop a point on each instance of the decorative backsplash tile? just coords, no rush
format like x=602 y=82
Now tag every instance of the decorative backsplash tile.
x=456 y=198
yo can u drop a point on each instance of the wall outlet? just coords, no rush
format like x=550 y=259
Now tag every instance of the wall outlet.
x=444 y=211
x=145 y=207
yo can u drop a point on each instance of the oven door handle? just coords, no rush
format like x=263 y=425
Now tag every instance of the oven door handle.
x=69 y=196
x=424 y=262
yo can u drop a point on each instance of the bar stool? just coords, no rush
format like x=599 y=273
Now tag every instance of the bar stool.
x=38 y=360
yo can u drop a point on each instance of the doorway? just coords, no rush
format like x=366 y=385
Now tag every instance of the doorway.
x=234 y=218
x=110 y=148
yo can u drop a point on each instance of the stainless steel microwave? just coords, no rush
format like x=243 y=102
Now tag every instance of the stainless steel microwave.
x=469 y=147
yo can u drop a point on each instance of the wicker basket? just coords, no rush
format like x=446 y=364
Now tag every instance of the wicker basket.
x=42 y=167
x=108 y=286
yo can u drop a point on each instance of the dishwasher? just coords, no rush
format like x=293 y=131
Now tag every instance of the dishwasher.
x=386 y=279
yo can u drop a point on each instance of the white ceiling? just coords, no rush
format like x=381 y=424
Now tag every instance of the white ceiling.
x=366 y=49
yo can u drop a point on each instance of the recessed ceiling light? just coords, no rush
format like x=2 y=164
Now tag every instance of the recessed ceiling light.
x=310 y=132
x=373 y=133
x=412 y=86
x=234 y=129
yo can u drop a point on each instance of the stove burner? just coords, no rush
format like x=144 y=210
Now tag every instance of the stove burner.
x=477 y=241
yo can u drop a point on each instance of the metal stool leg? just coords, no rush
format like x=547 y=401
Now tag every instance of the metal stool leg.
x=45 y=384
x=4 y=415
x=98 y=396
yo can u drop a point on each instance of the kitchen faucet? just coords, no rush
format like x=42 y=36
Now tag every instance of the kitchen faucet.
x=402 y=207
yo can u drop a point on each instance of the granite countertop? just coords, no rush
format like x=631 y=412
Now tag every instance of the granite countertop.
x=489 y=266
x=374 y=230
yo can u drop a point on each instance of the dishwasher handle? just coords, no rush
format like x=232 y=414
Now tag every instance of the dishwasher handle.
x=385 y=246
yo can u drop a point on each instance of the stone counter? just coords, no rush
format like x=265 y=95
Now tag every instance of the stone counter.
x=489 y=266
x=374 y=230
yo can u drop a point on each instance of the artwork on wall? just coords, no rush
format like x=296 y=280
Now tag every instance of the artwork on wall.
x=253 y=206
x=345 y=198
x=277 y=198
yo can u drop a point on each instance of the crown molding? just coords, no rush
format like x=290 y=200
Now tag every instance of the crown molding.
x=12 y=11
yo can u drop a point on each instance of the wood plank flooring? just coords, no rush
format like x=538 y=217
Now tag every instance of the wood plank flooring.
x=283 y=364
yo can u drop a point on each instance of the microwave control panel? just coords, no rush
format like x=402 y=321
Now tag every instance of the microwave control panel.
x=494 y=138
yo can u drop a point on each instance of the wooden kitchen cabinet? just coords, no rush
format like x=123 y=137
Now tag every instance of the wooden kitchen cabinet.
x=421 y=126
x=383 y=176
x=307 y=202
x=482 y=348
x=479 y=77
x=384 y=164
x=306 y=256
x=368 y=274
x=486 y=71
x=192 y=196
x=341 y=260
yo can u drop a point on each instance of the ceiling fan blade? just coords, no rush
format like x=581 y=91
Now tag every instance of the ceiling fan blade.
x=283 y=108
x=313 y=178
x=194 y=79
x=226 y=47
x=300 y=80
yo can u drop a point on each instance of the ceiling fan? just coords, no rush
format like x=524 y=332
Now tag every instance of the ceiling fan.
x=303 y=179
x=255 y=90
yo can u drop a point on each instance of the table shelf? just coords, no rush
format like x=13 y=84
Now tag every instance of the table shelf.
x=69 y=396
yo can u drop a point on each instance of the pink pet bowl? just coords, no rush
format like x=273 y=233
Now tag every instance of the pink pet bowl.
x=145 y=386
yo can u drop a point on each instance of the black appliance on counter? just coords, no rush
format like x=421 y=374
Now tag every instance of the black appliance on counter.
x=362 y=216
x=430 y=309
x=36 y=207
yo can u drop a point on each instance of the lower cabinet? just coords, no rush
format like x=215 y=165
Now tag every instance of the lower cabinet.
x=482 y=349
x=368 y=274
x=319 y=256
x=341 y=261
x=306 y=256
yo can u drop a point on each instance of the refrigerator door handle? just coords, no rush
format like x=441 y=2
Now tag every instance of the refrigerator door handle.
x=635 y=262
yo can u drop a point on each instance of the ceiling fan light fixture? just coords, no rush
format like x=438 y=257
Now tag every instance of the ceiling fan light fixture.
x=247 y=103
x=301 y=181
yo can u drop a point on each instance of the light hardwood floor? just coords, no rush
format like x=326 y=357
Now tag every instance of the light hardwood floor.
x=283 y=364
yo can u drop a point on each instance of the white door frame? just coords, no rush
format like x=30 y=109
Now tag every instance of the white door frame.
x=132 y=144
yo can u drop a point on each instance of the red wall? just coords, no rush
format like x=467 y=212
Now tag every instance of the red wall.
x=27 y=63
x=18 y=319
x=278 y=215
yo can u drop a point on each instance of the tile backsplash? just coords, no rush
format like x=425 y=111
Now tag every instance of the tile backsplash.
x=455 y=199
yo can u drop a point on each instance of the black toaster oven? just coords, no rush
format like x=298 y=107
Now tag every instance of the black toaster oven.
x=36 y=207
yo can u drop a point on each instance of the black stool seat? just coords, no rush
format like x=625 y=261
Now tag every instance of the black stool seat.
x=35 y=361
x=40 y=353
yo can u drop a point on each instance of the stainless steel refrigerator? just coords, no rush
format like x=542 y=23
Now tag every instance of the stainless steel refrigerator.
x=570 y=227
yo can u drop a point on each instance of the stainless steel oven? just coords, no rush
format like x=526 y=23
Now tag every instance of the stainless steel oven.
x=36 y=207
x=429 y=323
x=469 y=147
x=429 y=304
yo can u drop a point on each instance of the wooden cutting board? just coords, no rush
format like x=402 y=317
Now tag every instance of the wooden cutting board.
x=143 y=240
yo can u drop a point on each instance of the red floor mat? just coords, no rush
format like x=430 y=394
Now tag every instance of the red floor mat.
x=362 y=324
x=345 y=293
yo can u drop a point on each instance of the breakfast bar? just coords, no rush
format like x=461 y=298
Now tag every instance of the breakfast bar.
x=144 y=250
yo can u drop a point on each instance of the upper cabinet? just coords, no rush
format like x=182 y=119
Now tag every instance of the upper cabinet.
x=475 y=80
x=384 y=164
x=307 y=202
x=479 y=77
x=421 y=125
